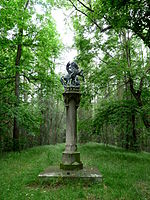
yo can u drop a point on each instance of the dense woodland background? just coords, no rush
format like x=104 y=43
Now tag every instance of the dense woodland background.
x=112 y=39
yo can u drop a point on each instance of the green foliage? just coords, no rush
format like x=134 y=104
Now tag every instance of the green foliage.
x=29 y=117
x=115 y=96
x=35 y=34
x=117 y=15
x=125 y=174
x=114 y=112
x=116 y=69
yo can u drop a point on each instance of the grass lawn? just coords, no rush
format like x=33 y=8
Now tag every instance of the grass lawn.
x=126 y=175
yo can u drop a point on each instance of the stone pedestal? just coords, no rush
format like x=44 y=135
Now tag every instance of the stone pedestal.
x=71 y=157
x=87 y=174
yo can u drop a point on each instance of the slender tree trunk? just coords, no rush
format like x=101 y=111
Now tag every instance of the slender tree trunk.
x=134 y=135
x=51 y=130
x=17 y=83
x=56 y=123
x=127 y=131
x=25 y=95
x=133 y=144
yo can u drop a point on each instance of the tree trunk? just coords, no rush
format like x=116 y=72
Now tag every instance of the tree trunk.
x=133 y=144
x=17 y=82
x=137 y=95
x=56 y=123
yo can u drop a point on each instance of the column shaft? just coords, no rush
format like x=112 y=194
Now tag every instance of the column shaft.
x=71 y=126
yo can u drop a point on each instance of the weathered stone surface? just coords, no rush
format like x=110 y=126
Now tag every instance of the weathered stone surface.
x=71 y=166
x=87 y=173
x=70 y=157
x=74 y=166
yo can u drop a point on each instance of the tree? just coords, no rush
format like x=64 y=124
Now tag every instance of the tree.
x=30 y=44
x=130 y=14
x=113 y=63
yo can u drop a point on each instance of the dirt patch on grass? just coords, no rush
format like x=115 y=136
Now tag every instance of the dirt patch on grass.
x=143 y=189
x=45 y=185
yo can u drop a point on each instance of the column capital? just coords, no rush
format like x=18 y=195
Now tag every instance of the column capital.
x=72 y=94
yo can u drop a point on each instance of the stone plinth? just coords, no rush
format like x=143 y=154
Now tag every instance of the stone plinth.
x=71 y=157
x=87 y=174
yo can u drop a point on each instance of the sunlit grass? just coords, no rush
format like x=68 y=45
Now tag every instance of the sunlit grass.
x=126 y=175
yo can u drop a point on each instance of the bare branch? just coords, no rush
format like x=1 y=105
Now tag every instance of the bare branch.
x=26 y=5
x=120 y=86
x=132 y=87
x=93 y=21
x=85 y=6
x=103 y=61
x=31 y=78
x=78 y=9
x=27 y=78
x=105 y=29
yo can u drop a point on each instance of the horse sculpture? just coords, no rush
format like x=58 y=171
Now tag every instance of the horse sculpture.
x=71 y=79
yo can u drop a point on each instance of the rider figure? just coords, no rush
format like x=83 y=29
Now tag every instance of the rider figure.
x=72 y=69
x=72 y=76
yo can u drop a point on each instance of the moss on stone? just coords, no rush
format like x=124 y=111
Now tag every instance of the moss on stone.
x=74 y=166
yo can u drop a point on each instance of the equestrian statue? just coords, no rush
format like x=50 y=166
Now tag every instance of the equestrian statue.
x=71 y=79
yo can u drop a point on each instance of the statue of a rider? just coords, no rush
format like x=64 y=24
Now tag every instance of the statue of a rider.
x=71 y=79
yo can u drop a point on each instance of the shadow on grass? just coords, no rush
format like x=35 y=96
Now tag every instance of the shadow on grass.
x=106 y=148
x=111 y=152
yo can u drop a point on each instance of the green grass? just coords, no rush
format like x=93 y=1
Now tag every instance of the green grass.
x=126 y=174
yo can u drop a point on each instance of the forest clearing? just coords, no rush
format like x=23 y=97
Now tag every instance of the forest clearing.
x=75 y=72
x=126 y=175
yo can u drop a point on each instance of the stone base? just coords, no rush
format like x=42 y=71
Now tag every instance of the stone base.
x=86 y=173
x=74 y=166
x=71 y=161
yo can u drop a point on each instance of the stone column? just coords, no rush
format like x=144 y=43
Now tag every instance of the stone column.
x=71 y=157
